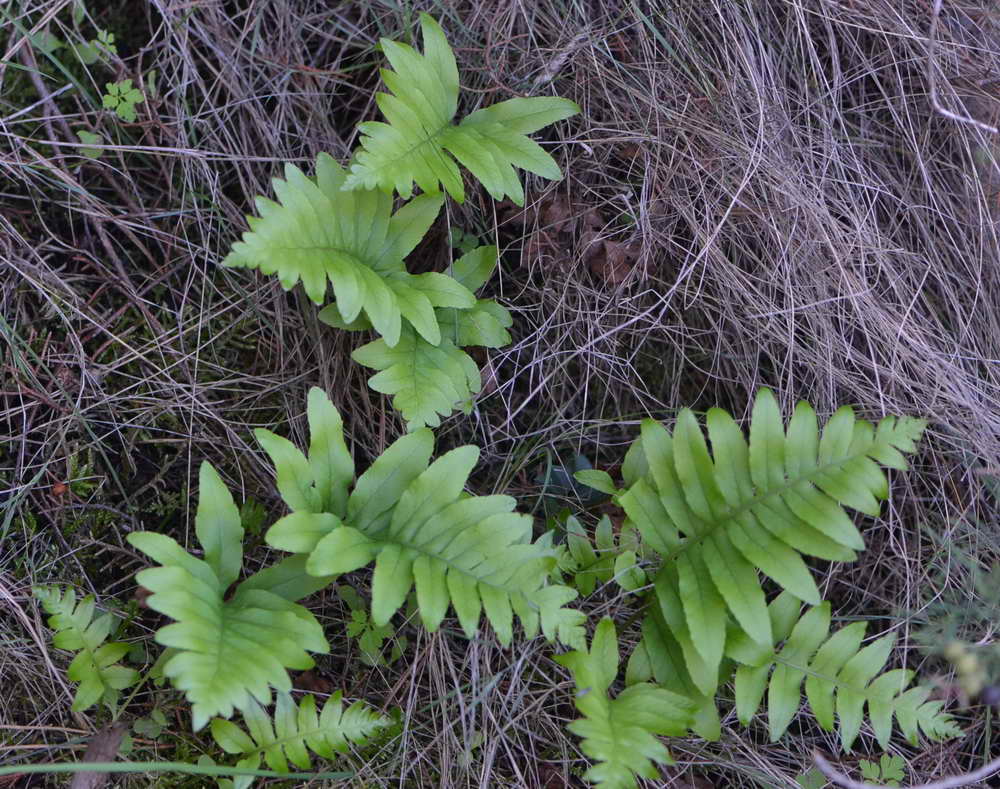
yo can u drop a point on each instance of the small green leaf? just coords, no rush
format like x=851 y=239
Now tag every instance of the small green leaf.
x=330 y=464
x=378 y=490
x=301 y=531
x=391 y=582
x=90 y=139
x=596 y=479
x=474 y=268
x=45 y=42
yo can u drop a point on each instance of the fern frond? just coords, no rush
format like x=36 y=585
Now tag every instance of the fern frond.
x=228 y=650
x=320 y=232
x=620 y=733
x=760 y=505
x=420 y=140
x=317 y=482
x=840 y=675
x=612 y=559
x=426 y=381
x=295 y=731
x=411 y=517
x=76 y=628
x=430 y=381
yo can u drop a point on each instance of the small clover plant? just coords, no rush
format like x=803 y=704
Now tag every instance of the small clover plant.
x=123 y=98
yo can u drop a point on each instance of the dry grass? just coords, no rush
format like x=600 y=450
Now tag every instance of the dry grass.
x=796 y=215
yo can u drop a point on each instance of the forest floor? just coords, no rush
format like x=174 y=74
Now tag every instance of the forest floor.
x=798 y=194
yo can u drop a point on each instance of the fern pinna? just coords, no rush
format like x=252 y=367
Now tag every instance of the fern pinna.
x=411 y=517
x=718 y=518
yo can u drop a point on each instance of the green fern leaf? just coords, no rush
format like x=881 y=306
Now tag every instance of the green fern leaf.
x=319 y=232
x=412 y=518
x=431 y=381
x=620 y=733
x=75 y=628
x=295 y=731
x=720 y=517
x=227 y=651
x=319 y=482
x=427 y=381
x=659 y=656
x=840 y=675
x=467 y=551
x=420 y=140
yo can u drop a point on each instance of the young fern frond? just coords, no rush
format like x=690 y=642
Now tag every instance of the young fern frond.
x=295 y=731
x=427 y=381
x=430 y=381
x=840 y=676
x=320 y=232
x=413 y=520
x=612 y=559
x=420 y=139
x=760 y=505
x=75 y=628
x=318 y=482
x=228 y=650
x=620 y=733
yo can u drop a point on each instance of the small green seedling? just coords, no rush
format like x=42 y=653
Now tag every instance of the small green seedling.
x=122 y=98
x=463 y=240
x=89 y=139
x=370 y=637
x=888 y=771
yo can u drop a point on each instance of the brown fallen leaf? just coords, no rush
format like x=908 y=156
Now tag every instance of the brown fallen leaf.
x=557 y=215
x=615 y=261
x=313 y=682
x=103 y=747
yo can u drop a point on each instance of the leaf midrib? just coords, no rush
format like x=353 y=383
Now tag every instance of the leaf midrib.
x=772 y=492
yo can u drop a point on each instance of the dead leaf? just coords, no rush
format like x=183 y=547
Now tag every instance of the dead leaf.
x=614 y=262
x=312 y=681
x=141 y=593
x=103 y=747
x=539 y=246
x=557 y=215
x=552 y=777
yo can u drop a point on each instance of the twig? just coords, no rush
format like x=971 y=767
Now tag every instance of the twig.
x=953 y=782
x=932 y=80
